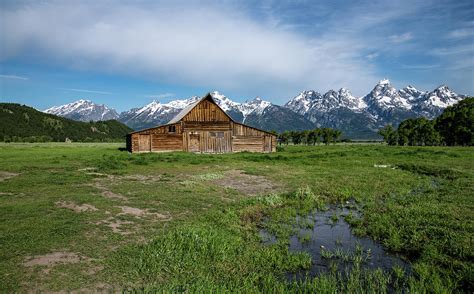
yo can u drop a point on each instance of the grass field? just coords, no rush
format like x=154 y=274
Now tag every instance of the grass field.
x=88 y=216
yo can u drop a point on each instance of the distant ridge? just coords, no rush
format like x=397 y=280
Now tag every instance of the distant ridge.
x=20 y=122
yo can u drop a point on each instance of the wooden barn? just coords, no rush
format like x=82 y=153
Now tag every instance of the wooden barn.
x=202 y=127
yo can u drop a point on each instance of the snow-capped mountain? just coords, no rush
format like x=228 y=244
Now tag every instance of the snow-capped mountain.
x=335 y=109
x=385 y=96
x=154 y=113
x=357 y=117
x=432 y=104
x=84 y=110
x=311 y=102
x=365 y=115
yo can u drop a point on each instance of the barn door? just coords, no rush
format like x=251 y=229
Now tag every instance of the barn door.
x=144 y=143
x=267 y=144
x=193 y=145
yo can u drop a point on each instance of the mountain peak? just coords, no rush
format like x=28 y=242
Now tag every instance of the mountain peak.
x=443 y=88
x=345 y=92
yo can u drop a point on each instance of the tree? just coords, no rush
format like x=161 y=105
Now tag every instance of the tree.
x=389 y=135
x=284 y=137
x=404 y=132
x=305 y=136
x=327 y=135
x=313 y=136
x=318 y=133
x=456 y=124
x=335 y=135
x=296 y=137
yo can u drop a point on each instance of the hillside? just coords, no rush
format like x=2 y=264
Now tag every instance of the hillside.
x=23 y=123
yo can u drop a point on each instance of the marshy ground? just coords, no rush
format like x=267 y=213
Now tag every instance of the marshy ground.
x=90 y=217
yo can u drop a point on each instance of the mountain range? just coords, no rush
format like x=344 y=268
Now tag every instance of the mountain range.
x=356 y=117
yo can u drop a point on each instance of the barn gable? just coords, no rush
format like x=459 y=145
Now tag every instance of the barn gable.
x=205 y=109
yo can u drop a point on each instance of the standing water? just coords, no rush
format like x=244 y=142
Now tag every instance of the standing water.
x=328 y=238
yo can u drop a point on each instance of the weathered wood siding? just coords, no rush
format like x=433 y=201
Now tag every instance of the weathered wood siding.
x=134 y=142
x=206 y=111
x=251 y=144
x=207 y=126
x=157 y=139
x=246 y=138
x=243 y=130
x=208 y=141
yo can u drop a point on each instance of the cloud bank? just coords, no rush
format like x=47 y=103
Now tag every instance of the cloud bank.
x=211 y=46
x=271 y=49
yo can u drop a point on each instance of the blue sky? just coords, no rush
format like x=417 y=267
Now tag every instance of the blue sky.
x=127 y=53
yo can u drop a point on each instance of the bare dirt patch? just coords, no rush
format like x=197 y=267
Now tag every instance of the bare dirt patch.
x=7 y=175
x=137 y=212
x=107 y=193
x=116 y=225
x=143 y=179
x=247 y=184
x=92 y=171
x=51 y=259
x=75 y=207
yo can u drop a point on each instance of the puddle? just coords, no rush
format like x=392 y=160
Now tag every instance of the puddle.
x=333 y=247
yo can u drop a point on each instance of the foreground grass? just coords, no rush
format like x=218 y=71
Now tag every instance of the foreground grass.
x=208 y=238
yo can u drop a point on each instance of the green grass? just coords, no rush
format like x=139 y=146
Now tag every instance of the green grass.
x=207 y=237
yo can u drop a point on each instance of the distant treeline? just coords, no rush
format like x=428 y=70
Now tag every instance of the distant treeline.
x=310 y=137
x=454 y=127
x=20 y=123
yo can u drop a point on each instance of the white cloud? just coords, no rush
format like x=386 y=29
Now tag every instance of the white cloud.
x=214 y=47
x=87 y=91
x=402 y=38
x=372 y=55
x=13 y=77
x=463 y=50
x=461 y=33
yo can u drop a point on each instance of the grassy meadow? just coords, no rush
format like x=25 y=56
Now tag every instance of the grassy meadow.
x=91 y=217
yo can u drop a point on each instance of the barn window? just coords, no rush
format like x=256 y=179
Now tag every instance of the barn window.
x=171 y=129
x=216 y=134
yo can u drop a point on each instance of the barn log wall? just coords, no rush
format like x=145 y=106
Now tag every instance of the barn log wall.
x=159 y=139
x=250 y=139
